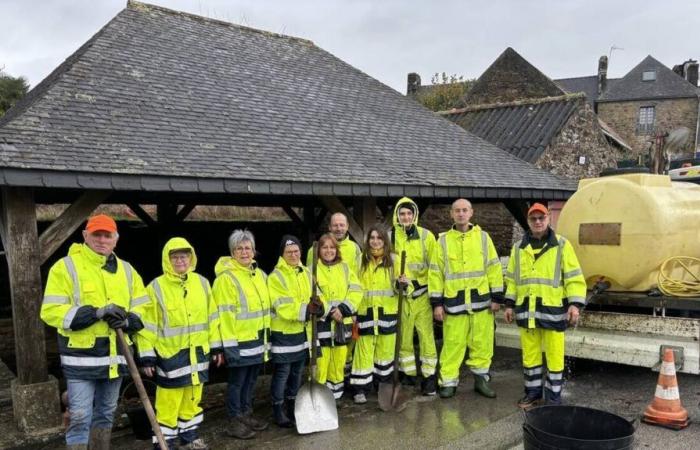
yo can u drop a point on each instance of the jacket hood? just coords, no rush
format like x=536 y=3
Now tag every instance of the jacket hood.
x=229 y=263
x=177 y=243
x=405 y=201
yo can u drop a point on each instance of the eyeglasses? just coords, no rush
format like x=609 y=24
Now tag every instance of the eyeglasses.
x=180 y=257
x=537 y=218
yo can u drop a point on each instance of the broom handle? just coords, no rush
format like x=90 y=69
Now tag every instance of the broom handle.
x=126 y=351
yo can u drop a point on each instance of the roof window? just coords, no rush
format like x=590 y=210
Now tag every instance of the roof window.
x=649 y=75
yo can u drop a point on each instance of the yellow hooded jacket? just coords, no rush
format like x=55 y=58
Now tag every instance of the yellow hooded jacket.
x=243 y=302
x=181 y=325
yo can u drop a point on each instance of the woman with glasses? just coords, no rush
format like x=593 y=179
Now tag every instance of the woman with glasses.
x=241 y=295
x=180 y=327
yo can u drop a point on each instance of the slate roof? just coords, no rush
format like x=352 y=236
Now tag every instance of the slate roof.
x=587 y=85
x=668 y=84
x=524 y=128
x=160 y=100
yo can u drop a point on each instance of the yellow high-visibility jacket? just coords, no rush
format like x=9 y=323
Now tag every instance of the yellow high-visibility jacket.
x=378 y=310
x=290 y=291
x=243 y=301
x=542 y=283
x=419 y=245
x=181 y=325
x=338 y=287
x=465 y=272
x=77 y=285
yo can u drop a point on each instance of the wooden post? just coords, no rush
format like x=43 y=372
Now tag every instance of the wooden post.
x=21 y=242
x=61 y=228
x=365 y=209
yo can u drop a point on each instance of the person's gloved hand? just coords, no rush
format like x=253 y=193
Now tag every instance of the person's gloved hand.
x=314 y=307
x=111 y=310
x=115 y=322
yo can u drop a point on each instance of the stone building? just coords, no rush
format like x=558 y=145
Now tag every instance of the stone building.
x=649 y=100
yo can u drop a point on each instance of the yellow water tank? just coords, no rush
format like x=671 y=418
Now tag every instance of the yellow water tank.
x=624 y=226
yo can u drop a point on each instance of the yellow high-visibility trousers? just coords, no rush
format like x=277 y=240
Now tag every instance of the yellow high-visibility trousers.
x=178 y=412
x=417 y=314
x=461 y=332
x=330 y=368
x=374 y=357
x=533 y=342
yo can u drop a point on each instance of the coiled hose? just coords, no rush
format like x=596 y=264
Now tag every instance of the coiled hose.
x=689 y=283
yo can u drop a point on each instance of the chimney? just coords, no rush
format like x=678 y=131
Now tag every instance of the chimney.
x=602 y=74
x=413 y=83
x=690 y=69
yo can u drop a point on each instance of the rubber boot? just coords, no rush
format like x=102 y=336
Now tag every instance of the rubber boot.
x=429 y=385
x=291 y=404
x=481 y=385
x=99 y=438
x=447 y=391
x=280 y=416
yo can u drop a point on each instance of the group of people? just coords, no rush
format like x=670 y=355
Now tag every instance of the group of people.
x=180 y=324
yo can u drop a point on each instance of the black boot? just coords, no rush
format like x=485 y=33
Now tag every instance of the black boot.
x=428 y=386
x=238 y=429
x=291 y=404
x=280 y=416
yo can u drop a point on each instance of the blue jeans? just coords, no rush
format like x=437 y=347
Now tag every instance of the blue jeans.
x=286 y=380
x=239 y=392
x=91 y=404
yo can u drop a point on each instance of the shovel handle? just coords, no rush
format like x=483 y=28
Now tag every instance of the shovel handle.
x=397 y=345
x=143 y=396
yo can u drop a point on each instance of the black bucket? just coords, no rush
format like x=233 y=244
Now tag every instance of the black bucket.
x=138 y=419
x=576 y=427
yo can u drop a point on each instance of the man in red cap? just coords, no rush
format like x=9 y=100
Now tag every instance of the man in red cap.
x=88 y=295
x=545 y=289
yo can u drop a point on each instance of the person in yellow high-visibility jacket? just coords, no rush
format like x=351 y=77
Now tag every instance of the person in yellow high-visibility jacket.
x=465 y=276
x=181 y=326
x=341 y=294
x=349 y=250
x=545 y=290
x=88 y=295
x=290 y=296
x=377 y=315
x=241 y=294
x=417 y=314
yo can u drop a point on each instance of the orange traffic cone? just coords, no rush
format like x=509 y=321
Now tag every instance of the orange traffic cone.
x=666 y=409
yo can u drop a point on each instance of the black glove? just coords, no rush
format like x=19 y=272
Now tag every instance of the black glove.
x=314 y=307
x=111 y=310
x=116 y=322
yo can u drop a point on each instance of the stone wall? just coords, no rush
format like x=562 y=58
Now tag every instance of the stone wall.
x=581 y=136
x=670 y=114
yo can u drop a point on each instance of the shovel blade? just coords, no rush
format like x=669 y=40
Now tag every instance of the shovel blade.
x=315 y=409
x=391 y=397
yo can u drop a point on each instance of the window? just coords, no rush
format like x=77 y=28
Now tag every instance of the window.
x=645 y=124
x=649 y=75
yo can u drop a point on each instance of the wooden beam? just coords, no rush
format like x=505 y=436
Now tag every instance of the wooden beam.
x=294 y=216
x=185 y=211
x=334 y=205
x=142 y=214
x=3 y=221
x=365 y=209
x=22 y=247
x=166 y=213
x=69 y=221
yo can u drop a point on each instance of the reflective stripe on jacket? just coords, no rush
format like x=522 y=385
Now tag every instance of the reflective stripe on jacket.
x=465 y=272
x=378 y=310
x=542 y=283
x=243 y=301
x=181 y=325
x=79 y=280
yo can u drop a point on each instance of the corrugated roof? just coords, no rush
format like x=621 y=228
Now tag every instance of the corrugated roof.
x=524 y=128
x=668 y=84
x=162 y=100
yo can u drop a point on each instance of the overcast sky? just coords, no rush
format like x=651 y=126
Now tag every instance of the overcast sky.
x=387 y=39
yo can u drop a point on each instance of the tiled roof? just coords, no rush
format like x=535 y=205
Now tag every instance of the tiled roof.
x=587 y=85
x=162 y=100
x=668 y=84
x=524 y=128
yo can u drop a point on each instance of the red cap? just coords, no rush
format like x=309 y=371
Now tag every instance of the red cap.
x=538 y=207
x=101 y=222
